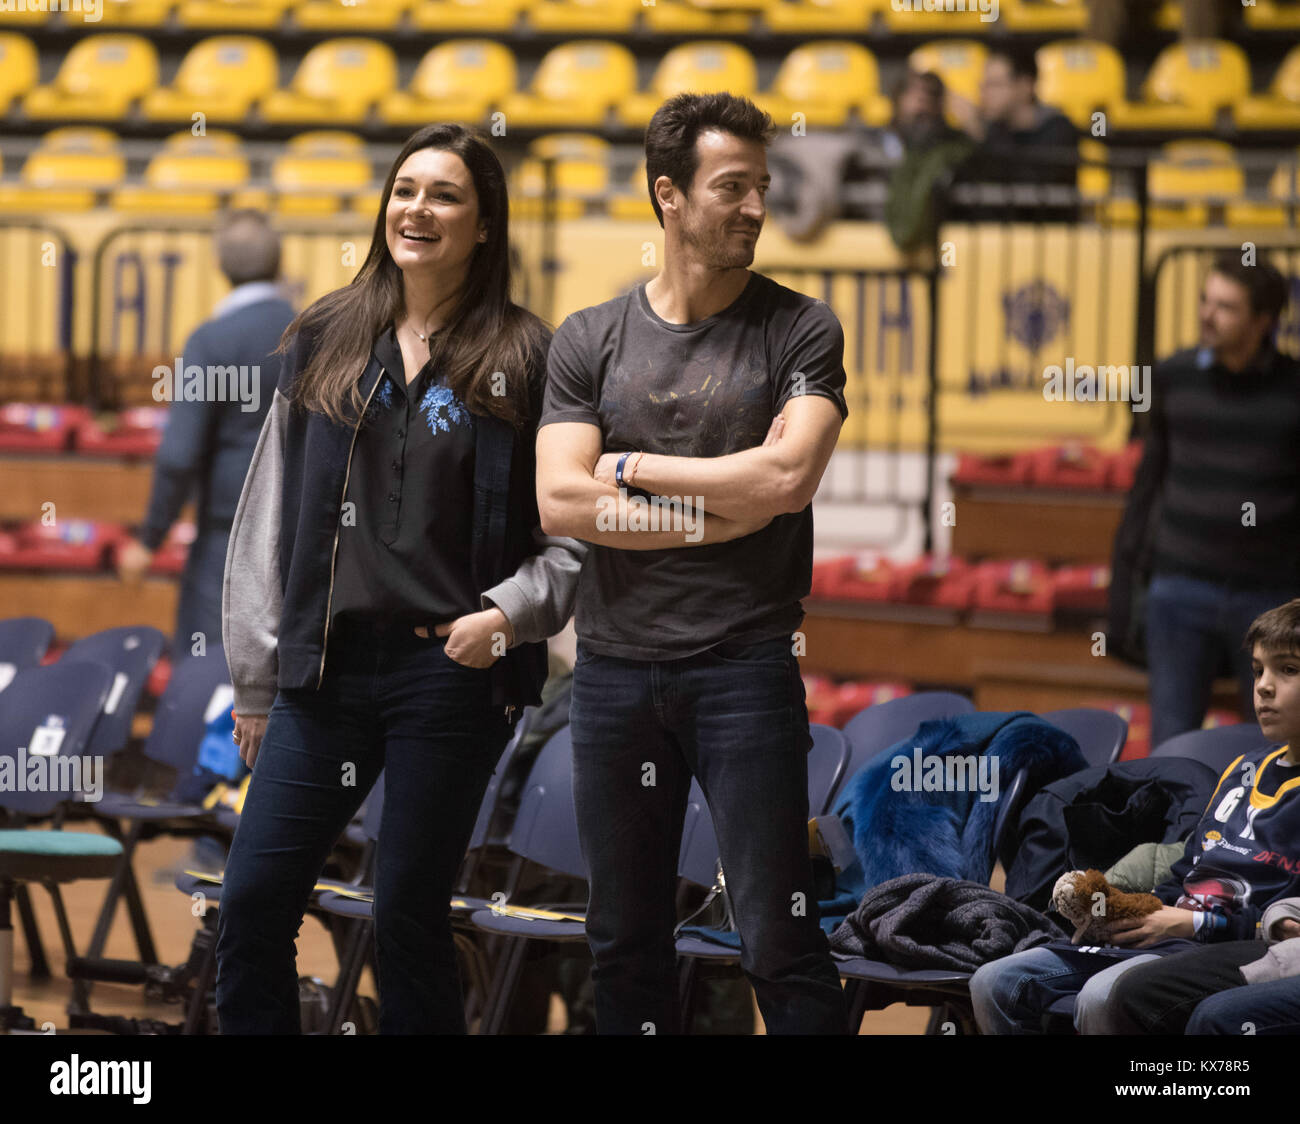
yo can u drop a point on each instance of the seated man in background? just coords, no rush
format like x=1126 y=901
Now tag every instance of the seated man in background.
x=1021 y=142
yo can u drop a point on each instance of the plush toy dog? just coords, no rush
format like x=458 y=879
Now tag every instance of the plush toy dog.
x=1093 y=906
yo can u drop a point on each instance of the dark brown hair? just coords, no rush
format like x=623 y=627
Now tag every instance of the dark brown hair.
x=670 y=138
x=1263 y=282
x=1277 y=630
x=485 y=332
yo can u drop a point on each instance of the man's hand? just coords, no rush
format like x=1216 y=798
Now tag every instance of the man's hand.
x=471 y=638
x=133 y=559
x=1141 y=932
x=1285 y=929
x=606 y=466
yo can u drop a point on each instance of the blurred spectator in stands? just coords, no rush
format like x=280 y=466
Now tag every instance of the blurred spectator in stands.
x=1122 y=22
x=842 y=174
x=1023 y=145
x=207 y=446
x=1213 y=520
x=928 y=150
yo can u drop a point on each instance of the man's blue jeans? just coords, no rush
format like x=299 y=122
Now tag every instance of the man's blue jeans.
x=1013 y=995
x=738 y=722
x=1190 y=622
x=391 y=701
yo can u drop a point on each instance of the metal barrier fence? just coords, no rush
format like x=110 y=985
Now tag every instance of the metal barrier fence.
x=37 y=273
x=150 y=283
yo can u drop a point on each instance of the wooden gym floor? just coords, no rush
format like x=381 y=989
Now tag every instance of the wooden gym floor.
x=173 y=928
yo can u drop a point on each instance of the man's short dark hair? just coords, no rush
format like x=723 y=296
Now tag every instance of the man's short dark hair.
x=676 y=126
x=1022 y=64
x=1263 y=282
x=932 y=82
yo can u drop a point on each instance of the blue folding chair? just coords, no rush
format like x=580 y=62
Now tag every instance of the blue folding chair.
x=1218 y=747
x=131 y=653
x=42 y=704
x=198 y=684
x=545 y=832
x=23 y=643
x=875 y=728
x=875 y=984
x=1101 y=734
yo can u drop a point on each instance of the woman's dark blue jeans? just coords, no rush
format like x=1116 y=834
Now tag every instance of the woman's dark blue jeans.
x=389 y=700
x=736 y=719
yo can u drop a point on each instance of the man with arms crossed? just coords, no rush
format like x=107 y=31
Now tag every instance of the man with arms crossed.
x=725 y=388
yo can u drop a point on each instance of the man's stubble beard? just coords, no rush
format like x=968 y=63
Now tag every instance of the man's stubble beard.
x=710 y=249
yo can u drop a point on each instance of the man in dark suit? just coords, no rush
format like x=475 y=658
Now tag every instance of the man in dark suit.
x=209 y=442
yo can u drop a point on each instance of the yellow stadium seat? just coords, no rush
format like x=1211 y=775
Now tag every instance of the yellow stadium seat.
x=1044 y=15
x=19 y=69
x=682 y=16
x=252 y=198
x=1268 y=15
x=581 y=172
x=914 y=19
x=590 y=17
x=1095 y=188
x=959 y=62
x=1190 y=177
x=99 y=79
x=136 y=13
x=467 y=15
x=220 y=77
x=805 y=17
x=1284 y=187
x=456 y=81
x=1080 y=76
x=337 y=80
x=1280 y=107
x=699 y=67
x=189 y=174
x=317 y=170
x=356 y=15
x=824 y=81
x=221 y=15
x=66 y=171
x=1187 y=85
x=632 y=200
x=576 y=84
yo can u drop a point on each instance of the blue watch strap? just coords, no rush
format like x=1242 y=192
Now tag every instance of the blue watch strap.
x=618 y=470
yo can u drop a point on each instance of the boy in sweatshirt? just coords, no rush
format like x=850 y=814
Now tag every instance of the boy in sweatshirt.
x=1243 y=855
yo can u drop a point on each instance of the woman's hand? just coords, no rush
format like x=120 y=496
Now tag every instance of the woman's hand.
x=249 y=730
x=472 y=638
x=1140 y=932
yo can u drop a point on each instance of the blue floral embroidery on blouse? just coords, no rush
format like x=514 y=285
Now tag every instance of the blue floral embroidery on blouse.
x=442 y=409
x=385 y=392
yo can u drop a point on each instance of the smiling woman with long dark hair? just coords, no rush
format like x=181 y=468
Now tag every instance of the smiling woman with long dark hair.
x=388 y=591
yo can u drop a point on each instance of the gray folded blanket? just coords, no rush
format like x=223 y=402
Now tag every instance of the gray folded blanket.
x=924 y=921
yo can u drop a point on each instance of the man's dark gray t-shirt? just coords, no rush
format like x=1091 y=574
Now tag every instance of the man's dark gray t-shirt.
x=694 y=390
